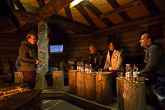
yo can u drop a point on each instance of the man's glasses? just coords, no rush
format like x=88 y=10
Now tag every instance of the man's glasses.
x=33 y=39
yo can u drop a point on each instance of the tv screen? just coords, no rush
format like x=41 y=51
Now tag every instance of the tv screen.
x=56 y=48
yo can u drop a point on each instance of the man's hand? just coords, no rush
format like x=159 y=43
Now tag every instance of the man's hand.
x=39 y=60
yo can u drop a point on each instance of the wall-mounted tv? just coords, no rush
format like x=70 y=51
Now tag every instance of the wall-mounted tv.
x=56 y=48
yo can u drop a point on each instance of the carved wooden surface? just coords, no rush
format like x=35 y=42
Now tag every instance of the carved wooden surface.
x=72 y=81
x=134 y=96
x=81 y=84
x=104 y=93
x=58 y=80
x=120 y=91
x=27 y=100
x=90 y=86
x=42 y=45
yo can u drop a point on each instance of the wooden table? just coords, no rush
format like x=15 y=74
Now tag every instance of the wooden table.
x=134 y=96
x=72 y=81
x=81 y=84
x=90 y=86
x=58 y=80
x=120 y=90
x=104 y=93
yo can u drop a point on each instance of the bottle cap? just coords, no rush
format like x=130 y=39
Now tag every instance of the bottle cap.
x=128 y=64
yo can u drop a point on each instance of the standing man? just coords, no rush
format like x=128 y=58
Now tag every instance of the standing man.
x=154 y=65
x=95 y=58
x=28 y=60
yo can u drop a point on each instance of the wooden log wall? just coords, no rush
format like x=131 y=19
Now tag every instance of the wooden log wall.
x=129 y=42
x=9 y=50
x=76 y=48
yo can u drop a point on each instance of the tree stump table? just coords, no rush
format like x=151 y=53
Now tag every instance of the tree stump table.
x=58 y=80
x=18 y=77
x=134 y=96
x=104 y=93
x=90 y=86
x=72 y=81
x=120 y=90
x=81 y=84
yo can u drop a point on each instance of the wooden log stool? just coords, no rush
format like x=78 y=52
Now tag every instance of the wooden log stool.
x=18 y=77
x=90 y=86
x=58 y=80
x=104 y=93
x=134 y=96
x=81 y=84
x=72 y=81
x=120 y=90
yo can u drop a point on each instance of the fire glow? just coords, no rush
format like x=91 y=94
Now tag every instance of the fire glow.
x=7 y=93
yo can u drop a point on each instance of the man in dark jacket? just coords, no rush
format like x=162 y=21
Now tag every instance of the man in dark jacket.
x=154 y=59
x=154 y=65
x=28 y=60
x=95 y=58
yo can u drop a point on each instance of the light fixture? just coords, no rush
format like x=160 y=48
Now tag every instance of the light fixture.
x=75 y=2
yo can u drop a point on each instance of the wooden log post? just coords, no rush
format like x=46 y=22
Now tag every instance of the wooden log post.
x=81 y=84
x=120 y=91
x=72 y=81
x=18 y=77
x=42 y=45
x=104 y=93
x=58 y=80
x=90 y=86
x=134 y=96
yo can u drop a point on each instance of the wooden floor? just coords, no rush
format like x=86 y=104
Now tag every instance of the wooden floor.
x=59 y=105
x=63 y=105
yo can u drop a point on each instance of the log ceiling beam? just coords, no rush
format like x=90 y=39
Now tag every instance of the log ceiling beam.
x=7 y=19
x=150 y=5
x=52 y=7
x=96 y=11
x=41 y=3
x=68 y=13
x=59 y=22
x=67 y=24
x=19 y=5
x=6 y=25
x=120 y=9
x=81 y=9
x=135 y=24
x=10 y=3
x=26 y=28
x=27 y=16
x=115 y=5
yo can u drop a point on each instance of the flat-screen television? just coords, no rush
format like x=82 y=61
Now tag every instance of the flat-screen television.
x=56 y=48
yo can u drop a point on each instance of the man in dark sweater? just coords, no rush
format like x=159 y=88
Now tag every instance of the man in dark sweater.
x=154 y=59
x=154 y=69
x=28 y=60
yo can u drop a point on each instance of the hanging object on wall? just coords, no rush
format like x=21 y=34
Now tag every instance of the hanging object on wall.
x=156 y=31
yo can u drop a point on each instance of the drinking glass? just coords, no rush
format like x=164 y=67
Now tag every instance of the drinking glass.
x=100 y=70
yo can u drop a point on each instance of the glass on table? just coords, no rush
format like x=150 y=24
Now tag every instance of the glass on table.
x=120 y=74
x=100 y=70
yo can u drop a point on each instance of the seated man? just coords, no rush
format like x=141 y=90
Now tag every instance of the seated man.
x=95 y=58
x=154 y=64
